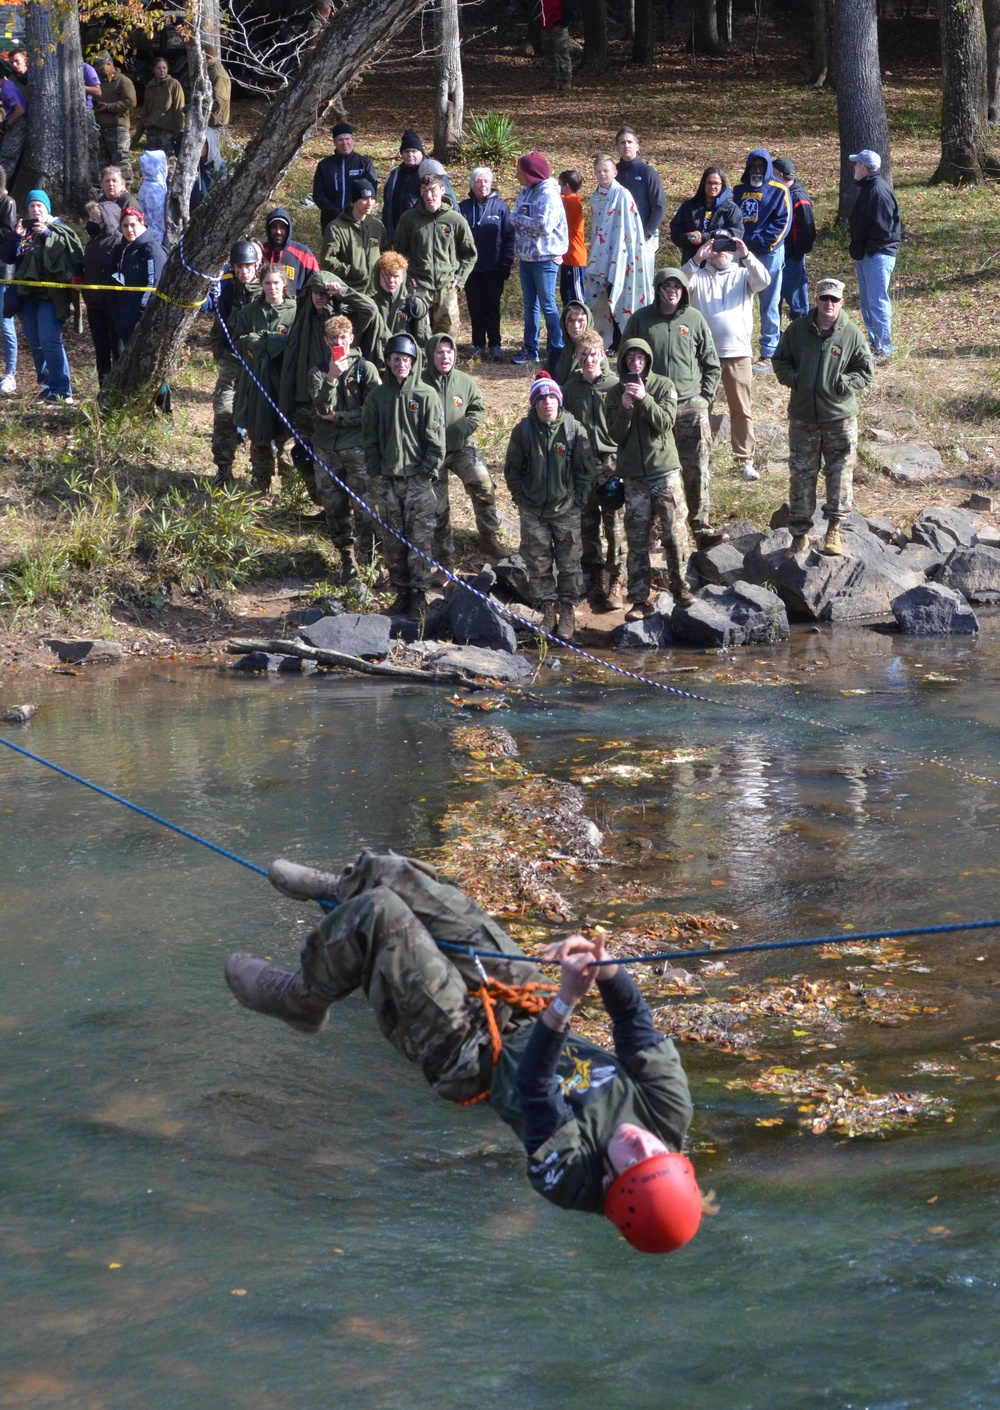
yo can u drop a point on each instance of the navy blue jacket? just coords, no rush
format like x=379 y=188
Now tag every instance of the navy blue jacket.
x=726 y=219
x=493 y=231
x=802 y=235
x=139 y=264
x=645 y=187
x=766 y=210
x=332 y=183
x=874 y=222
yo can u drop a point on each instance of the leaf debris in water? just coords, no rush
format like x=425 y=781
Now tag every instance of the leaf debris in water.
x=838 y=1103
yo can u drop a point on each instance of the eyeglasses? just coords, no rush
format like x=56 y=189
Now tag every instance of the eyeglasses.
x=830 y=299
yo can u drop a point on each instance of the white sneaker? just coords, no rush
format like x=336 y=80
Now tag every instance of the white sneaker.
x=748 y=470
x=7 y=385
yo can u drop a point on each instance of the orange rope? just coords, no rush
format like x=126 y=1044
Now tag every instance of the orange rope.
x=532 y=997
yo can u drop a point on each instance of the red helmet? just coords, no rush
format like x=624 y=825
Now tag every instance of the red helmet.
x=656 y=1204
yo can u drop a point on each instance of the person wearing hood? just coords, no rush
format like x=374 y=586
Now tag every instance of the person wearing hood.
x=766 y=208
x=112 y=112
x=585 y=398
x=488 y=217
x=212 y=169
x=683 y=350
x=400 y=310
x=238 y=287
x=876 y=231
x=710 y=211
x=615 y=283
x=353 y=243
x=641 y=411
x=437 y=243
x=339 y=386
x=151 y=198
x=402 y=431
x=334 y=175
x=549 y=470
x=722 y=284
x=801 y=238
x=161 y=117
x=541 y=238
x=296 y=261
x=44 y=250
x=464 y=412
x=643 y=184
x=261 y=339
x=576 y=320
x=402 y=186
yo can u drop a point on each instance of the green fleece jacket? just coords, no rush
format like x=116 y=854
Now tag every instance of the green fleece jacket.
x=549 y=467
x=56 y=257
x=118 y=102
x=351 y=248
x=566 y=361
x=261 y=335
x=162 y=107
x=682 y=343
x=643 y=432
x=401 y=312
x=402 y=429
x=346 y=395
x=227 y=311
x=438 y=244
x=306 y=347
x=825 y=373
x=586 y=401
x=461 y=400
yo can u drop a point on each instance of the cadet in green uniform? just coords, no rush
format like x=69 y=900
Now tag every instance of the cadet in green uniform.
x=464 y=412
x=354 y=241
x=400 y=310
x=238 y=288
x=261 y=335
x=584 y=395
x=402 y=430
x=589 y=1119
x=436 y=240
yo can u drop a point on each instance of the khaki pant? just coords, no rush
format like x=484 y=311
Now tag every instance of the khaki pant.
x=737 y=379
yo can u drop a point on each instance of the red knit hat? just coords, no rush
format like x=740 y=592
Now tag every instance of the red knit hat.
x=533 y=164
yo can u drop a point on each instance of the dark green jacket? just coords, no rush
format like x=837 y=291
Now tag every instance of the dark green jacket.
x=682 y=343
x=402 y=429
x=306 y=347
x=644 y=433
x=346 y=395
x=351 y=248
x=402 y=312
x=549 y=468
x=233 y=299
x=56 y=257
x=587 y=403
x=261 y=335
x=566 y=361
x=461 y=400
x=439 y=246
x=824 y=373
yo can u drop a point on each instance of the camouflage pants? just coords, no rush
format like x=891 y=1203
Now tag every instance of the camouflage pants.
x=648 y=503
x=304 y=420
x=407 y=504
x=342 y=512
x=226 y=439
x=594 y=518
x=265 y=458
x=470 y=467
x=381 y=939
x=557 y=48
x=551 y=550
x=114 y=149
x=443 y=304
x=834 y=444
x=693 y=438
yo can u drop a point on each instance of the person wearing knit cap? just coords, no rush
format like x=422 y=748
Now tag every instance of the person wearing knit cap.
x=45 y=250
x=334 y=174
x=402 y=185
x=112 y=113
x=549 y=470
x=541 y=238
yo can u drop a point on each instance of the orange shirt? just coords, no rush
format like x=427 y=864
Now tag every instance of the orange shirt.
x=577 y=252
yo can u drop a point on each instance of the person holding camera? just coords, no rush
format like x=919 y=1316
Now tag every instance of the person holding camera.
x=723 y=278
x=710 y=211
x=45 y=250
x=584 y=396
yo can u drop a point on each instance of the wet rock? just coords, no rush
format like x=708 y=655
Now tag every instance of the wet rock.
x=297 y=666
x=494 y=665
x=982 y=503
x=365 y=635
x=741 y=615
x=880 y=527
x=651 y=632
x=974 y=572
x=262 y=661
x=20 y=715
x=84 y=649
x=512 y=579
x=944 y=528
x=932 y=610
x=306 y=616
x=478 y=622
x=909 y=462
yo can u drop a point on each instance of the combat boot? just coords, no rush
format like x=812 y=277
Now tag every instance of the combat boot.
x=799 y=544
x=492 y=546
x=224 y=479
x=418 y=605
x=566 y=625
x=302 y=883
x=615 y=599
x=832 y=545
x=594 y=591
x=548 y=622
x=348 y=566
x=401 y=606
x=675 y=575
x=267 y=989
x=638 y=611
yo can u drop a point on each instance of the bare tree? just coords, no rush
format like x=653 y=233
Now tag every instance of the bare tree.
x=821 y=42
x=705 y=27
x=967 y=155
x=991 y=14
x=642 y=43
x=55 y=156
x=196 y=115
x=595 y=37
x=725 y=13
x=267 y=59
x=449 y=108
x=861 y=114
x=352 y=39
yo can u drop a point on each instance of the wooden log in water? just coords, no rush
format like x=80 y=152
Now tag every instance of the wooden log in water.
x=325 y=657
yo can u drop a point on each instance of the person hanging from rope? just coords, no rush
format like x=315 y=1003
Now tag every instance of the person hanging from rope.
x=603 y=1131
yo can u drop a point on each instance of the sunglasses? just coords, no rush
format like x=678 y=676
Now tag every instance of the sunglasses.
x=830 y=299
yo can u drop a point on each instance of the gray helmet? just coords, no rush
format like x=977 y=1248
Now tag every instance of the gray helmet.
x=401 y=343
x=244 y=252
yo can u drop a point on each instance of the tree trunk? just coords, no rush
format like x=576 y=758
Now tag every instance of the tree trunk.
x=196 y=115
x=991 y=14
x=821 y=49
x=55 y=155
x=705 y=28
x=629 y=18
x=351 y=41
x=967 y=155
x=595 y=37
x=724 y=11
x=860 y=105
x=450 y=102
x=642 y=44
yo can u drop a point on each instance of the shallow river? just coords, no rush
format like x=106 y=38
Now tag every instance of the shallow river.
x=200 y=1208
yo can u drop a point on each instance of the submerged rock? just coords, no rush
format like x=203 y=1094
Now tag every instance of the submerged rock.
x=478 y=661
x=262 y=661
x=932 y=610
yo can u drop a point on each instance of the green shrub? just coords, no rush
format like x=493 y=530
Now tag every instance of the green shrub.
x=489 y=140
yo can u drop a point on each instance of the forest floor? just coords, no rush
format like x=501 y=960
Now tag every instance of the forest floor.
x=109 y=527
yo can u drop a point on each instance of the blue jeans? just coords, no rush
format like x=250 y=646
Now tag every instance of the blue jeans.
x=538 y=289
x=770 y=300
x=874 y=273
x=44 y=334
x=8 y=338
x=795 y=287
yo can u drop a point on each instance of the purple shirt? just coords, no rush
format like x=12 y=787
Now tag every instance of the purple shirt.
x=91 y=79
x=12 y=96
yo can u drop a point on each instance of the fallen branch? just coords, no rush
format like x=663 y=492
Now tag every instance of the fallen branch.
x=325 y=657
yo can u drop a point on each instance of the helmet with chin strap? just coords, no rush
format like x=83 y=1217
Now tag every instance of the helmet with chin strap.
x=402 y=344
x=656 y=1204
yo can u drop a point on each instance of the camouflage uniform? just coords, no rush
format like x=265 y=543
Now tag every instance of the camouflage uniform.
x=472 y=470
x=550 y=547
x=593 y=517
x=444 y=309
x=303 y=418
x=342 y=512
x=226 y=439
x=408 y=504
x=558 y=50
x=268 y=456
x=693 y=439
x=646 y=502
x=835 y=444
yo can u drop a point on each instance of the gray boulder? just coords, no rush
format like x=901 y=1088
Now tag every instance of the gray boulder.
x=365 y=635
x=741 y=615
x=722 y=564
x=909 y=462
x=84 y=649
x=944 y=528
x=932 y=610
x=652 y=631
x=807 y=582
x=974 y=572
x=478 y=621
x=511 y=575
x=880 y=527
x=495 y=665
x=258 y=661
x=915 y=558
